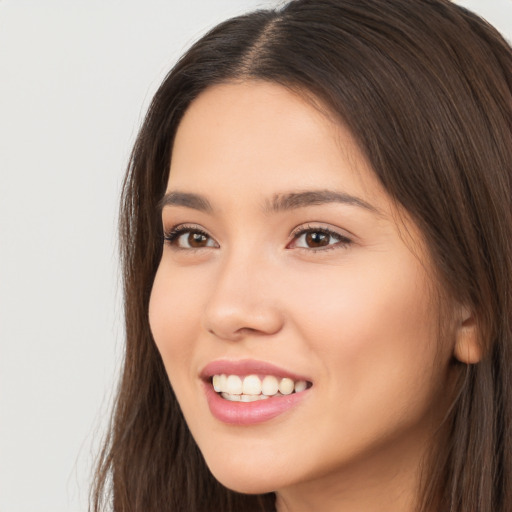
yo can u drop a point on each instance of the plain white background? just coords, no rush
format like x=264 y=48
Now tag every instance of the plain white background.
x=75 y=79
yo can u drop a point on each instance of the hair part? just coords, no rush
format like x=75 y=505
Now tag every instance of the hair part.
x=425 y=87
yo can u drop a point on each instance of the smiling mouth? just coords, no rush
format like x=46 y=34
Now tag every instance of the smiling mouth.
x=252 y=388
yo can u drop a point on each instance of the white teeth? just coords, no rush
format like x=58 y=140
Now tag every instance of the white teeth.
x=251 y=387
x=252 y=398
x=243 y=398
x=300 y=385
x=234 y=385
x=269 y=386
x=286 y=386
x=231 y=398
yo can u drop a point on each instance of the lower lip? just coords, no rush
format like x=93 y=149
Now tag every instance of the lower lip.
x=250 y=413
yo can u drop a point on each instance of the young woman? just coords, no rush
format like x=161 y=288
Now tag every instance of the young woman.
x=317 y=244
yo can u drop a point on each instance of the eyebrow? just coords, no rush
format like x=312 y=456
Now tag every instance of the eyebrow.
x=278 y=203
x=294 y=200
x=194 y=201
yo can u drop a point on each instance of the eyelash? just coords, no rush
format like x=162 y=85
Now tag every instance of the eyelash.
x=171 y=237
x=342 y=242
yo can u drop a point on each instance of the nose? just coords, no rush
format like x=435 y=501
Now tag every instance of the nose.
x=244 y=300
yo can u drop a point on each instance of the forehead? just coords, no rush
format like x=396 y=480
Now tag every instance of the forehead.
x=262 y=137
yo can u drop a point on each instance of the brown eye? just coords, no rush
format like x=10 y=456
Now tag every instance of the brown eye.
x=189 y=238
x=317 y=239
x=197 y=240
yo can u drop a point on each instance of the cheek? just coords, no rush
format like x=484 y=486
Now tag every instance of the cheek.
x=359 y=302
x=373 y=329
x=174 y=322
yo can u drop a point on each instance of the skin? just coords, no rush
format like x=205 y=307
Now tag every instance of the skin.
x=355 y=317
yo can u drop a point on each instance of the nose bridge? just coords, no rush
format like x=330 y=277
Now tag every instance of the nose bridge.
x=243 y=299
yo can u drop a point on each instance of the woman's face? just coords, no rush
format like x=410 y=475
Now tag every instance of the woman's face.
x=284 y=260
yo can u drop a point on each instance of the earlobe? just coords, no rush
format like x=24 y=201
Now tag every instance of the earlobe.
x=467 y=348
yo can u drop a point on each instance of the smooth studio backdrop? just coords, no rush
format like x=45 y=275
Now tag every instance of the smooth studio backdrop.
x=76 y=77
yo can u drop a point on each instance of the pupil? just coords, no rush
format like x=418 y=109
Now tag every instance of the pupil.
x=196 y=239
x=317 y=239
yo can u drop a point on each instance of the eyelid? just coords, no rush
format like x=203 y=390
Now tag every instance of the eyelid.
x=176 y=231
x=297 y=232
x=172 y=234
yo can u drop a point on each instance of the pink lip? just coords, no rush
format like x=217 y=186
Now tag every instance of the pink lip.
x=248 y=413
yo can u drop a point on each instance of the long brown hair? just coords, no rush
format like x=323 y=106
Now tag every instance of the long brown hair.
x=425 y=87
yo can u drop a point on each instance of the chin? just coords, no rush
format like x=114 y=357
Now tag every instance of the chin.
x=244 y=483
x=246 y=477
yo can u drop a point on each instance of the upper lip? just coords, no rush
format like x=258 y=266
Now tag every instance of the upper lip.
x=247 y=367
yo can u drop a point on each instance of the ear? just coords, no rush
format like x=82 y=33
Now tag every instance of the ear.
x=467 y=349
